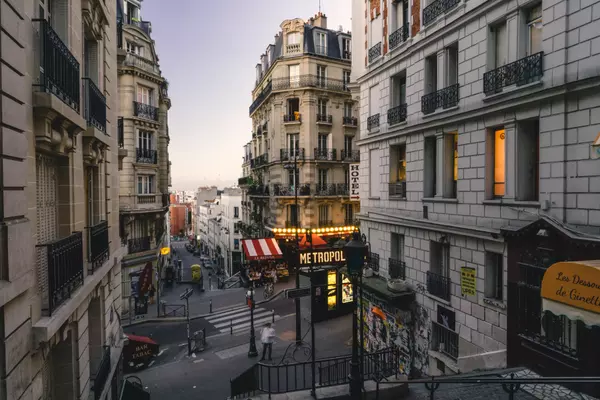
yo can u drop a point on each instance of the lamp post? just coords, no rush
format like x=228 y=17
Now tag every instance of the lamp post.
x=252 y=352
x=354 y=252
x=294 y=167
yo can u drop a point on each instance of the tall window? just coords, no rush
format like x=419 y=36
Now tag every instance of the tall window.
x=321 y=75
x=397 y=245
x=431 y=74
x=500 y=44
x=348 y=110
x=292 y=214
x=146 y=184
x=430 y=173
x=346 y=79
x=236 y=212
x=323 y=214
x=145 y=95
x=349 y=214
x=293 y=38
x=135 y=49
x=399 y=14
x=293 y=177
x=399 y=89
x=346 y=48
x=376 y=31
x=145 y=140
x=534 y=27
x=441 y=168
x=348 y=144
x=322 y=143
x=322 y=107
x=321 y=47
x=293 y=106
x=294 y=143
x=294 y=74
x=494 y=281
x=528 y=161
x=375 y=180
x=498 y=156
x=374 y=100
x=322 y=177
x=439 y=262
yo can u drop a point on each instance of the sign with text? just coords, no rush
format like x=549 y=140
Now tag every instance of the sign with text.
x=354 y=182
x=468 y=281
x=297 y=293
x=322 y=257
x=574 y=283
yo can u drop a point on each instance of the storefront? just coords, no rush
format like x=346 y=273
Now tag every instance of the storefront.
x=333 y=293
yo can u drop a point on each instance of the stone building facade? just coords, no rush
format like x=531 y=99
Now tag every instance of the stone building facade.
x=477 y=118
x=60 y=271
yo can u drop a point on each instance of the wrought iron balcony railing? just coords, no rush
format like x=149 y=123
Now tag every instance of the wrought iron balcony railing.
x=350 y=121
x=244 y=180
x=293 y=118
x=347 y=55
x=145 y=111
x=94 y=105
x=325 y=189
x=373 y=122
x=350 y=155
x=101 y=375
x=526 y=70
x=62 y=272
x=396 y=269
x=397 y=114
x=260 y=161
x=374 y=52
x=121 y=135
x=98 y=245
x=437 y=8
x=290 y=154
x=310 y=81
x=324 y=119
x=258 y=190
x=146 y=156
x=342 y=189
x=443 y=98
x=139 y=244
x=373 y=261
x=262 y=96
x=444 y=340
x=59 y=69
x=290 y=190
x=399 y=36
x=325 y=154
x=438 y=285
x=397 y=189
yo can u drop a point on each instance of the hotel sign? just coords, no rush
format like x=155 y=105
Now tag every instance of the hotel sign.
x=354 y=182
x=322 y=257
x=573 y=283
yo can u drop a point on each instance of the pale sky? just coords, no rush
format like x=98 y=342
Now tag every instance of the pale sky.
x=208 y=51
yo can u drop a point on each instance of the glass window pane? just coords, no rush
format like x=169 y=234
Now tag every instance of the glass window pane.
x=331 y=290
x=499 y=162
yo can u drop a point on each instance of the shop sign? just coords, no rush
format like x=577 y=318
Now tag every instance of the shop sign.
x=573 y=283
x=165 y=250
x=468 y=281
x=145 y=279
x=141 y=350
x=354 y=182
x=322 y=257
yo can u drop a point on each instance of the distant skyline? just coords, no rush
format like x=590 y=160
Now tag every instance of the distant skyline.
x=207 y=51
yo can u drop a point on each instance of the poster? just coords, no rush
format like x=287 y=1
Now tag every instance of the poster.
x=468 y=281
x=347 y=295
x=355 y=182
x=332 y=289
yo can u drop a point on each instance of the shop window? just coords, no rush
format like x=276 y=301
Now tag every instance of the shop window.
x=347 y=290
x=332 y=290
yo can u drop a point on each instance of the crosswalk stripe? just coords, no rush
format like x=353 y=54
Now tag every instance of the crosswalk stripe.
x=243 y=319
x=230 y=312
x=236 y=315
x=257 y=322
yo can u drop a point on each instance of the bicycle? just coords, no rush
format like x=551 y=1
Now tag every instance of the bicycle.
x=269 y=289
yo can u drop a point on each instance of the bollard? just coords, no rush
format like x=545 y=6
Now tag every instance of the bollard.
x=210 y=307
x=273 y=312
x=231 y=327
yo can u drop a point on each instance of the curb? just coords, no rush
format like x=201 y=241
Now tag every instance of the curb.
x=181 y=319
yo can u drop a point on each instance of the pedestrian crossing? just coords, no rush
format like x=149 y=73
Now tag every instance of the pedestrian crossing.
x=238 y=319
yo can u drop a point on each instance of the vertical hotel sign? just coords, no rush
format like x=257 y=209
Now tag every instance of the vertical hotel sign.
x=354 y=182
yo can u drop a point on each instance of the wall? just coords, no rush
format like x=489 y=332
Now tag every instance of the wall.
x=178 y=222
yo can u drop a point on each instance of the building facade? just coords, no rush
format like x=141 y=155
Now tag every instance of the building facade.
x=304 y=126
x=207 y=212
x=231 y=245
x=203 y=193
x=477 y=120
x=61 y=283
x=143 y=147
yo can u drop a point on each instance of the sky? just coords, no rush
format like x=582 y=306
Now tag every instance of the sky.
x=208 y=51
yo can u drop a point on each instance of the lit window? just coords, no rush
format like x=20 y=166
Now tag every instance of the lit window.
x=499 y=163
x=331 y=290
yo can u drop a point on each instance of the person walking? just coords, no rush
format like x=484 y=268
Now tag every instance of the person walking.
x=266 y=337
x=151 y=293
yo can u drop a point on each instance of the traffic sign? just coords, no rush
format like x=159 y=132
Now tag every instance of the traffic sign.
x=296 y=293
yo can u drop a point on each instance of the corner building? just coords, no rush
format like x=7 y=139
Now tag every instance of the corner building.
x=477 y=129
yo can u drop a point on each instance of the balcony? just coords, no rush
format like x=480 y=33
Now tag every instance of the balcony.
x=325 y=189
x=396 y=269
x=444 y=340
x=139 y=244
x=351 y=122
x=437 y=8
x=133 y=60
x=102 y=373
x=347 y=55
x=342 y=189
x=166 y=199
x=521 y=72
x=438 y=285
x=262 y=96
x=94 y=105
x=62 y=271
x=443 y=98
x=310 y=81
x=374 y=52
x=373 y=122
x=397 y=189
x=98 y=245
x=397 y=114
x=350 y=155
x=259 y=161
x=121 y=135
x=324 y=119
x=373 y=261
x=120 y=34
x=294 y=118
x=258 y=190
x=146 y=199
x=325 y=154
x=293 y=48
x=145 y=111
x=398 y=37
x=146 y=156
x=145 y=26
x=290 y=154
x=244 y=180
x=289 y=190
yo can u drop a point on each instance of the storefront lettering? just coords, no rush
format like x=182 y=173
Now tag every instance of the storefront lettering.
x=583 y=295
x=141 y=351
x=322 y=257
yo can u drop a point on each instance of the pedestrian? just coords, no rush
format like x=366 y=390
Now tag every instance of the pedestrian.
x=266 y=337
x=151 y=293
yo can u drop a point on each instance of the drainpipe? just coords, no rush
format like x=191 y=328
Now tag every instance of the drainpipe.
x=565 y=101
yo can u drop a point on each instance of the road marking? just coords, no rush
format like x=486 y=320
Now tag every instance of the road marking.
x=151 y=362
x=198 y=361
x=182 y=344
x=161 y=352
x=222 y=322
x=257 y=322
x=229 y=311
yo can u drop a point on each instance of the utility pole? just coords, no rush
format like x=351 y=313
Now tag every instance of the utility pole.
x=186 y=296
x=252 y=352
x=297 y=226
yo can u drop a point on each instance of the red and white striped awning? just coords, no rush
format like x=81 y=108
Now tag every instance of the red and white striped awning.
x=261 y=249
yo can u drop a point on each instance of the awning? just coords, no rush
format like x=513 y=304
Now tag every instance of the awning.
x=261 y=249
x=572 y=289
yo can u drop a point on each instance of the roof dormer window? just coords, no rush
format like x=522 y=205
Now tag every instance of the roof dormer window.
x=321 y=43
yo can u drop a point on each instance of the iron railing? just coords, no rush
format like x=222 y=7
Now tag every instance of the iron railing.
x=259 y=161
x=310 y=81
x=94 y=105
x=444 y=340
x=443 y=98
x=325 y=154
x=98 y=245
x=342 y=189
x=146 y=198
x=374 y=52
x=258 y=190
x=139 y=244
x=347 y=55
x=120 y=35
x=145 y=111
x=437 y=8
x=397 y=189
x=324 y=119
x=396 y=269
x=166 y=199
x=289 y=190
x=121 y=135
x=291 y=118
x=350 y=121
x=397 y=114
x=64 y=274
x=325 y=189
x=399 y=36
x=59 y=69
x=438 y=285
x=146 y=156
x=526 y=70
x=244 y=180
x=373 y=122
x=262 y=96
x=350 y=155
x=102 y=373
x=290 y=154
x=373 y=261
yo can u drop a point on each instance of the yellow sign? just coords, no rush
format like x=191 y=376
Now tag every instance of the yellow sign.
x=321 y=257
x=468 y=281
x=165 y=250
x=574 y=283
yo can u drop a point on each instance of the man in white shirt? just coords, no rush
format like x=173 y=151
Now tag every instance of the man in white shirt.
x=266 y=337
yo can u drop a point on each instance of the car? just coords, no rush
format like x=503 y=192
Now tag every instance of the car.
x=196 y=252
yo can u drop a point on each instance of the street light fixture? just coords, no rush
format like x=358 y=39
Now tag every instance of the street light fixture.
x=252 y=352
x=354 y=253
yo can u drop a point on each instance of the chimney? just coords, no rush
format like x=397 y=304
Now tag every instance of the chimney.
x=320 y=20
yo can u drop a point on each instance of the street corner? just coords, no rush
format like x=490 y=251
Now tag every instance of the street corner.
x=287 y=336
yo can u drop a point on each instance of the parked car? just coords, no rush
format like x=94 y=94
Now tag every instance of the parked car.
x=196 y=252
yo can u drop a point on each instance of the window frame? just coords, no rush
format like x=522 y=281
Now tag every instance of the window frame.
x=147 y=184
x=494 y=276
x=145 y=140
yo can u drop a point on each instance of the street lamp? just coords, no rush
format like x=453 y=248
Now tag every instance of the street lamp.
x=294 y=167
x=354 y=253
x=252 y=352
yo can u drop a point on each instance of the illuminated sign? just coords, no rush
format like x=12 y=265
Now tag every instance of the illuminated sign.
x=322 y=257
x=576 y=284
x=165 y=250
x=354 y=182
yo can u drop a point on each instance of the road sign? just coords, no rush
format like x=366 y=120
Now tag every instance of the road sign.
x=165 y=250
x=296 y=293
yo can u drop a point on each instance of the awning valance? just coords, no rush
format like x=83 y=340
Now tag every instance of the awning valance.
x=261 y=249
x=572 y=289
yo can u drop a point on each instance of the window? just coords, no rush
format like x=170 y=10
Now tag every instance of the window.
x=321 y=46
x=346 y=48
x=332 y=289
x=346 y=79
x=348 y=110
x=145 y=95
x=294 y=143
x=399 y=14
x=293 y=38
x=430 y=173
x=322 y=141
x=534 y=28
x=323 y=214
x=451 y=65
x=528 y=161
x=236 y=244
x=397 y=245
x=494 y=281
x=500 y=41
x=441 y=169
x=294 y=74
x=145 y=140
x=399 y=89
x=91 y=66
x=146 y=184
x=374 y=181
x=398 y=171
x=321 y=75
x=439 y=258
x=322 y=107
x=498 y=162
x=431 y=74
x=236 y=212
x=293 y=177
x=293 y=106
x=135 y=49
x=292 y=214
x=376 y=31
x=322 y=177
x=348 y=144
x=349 y=214
x=374 y=100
